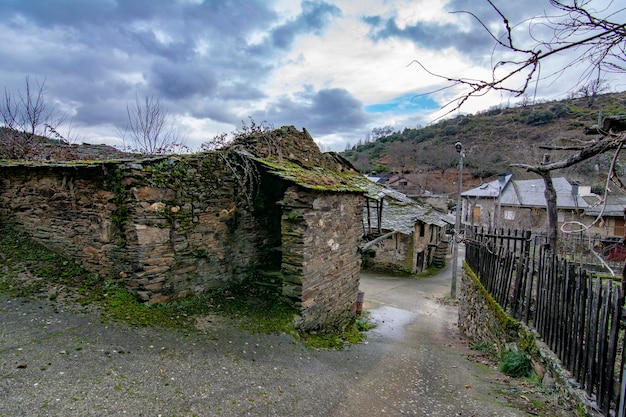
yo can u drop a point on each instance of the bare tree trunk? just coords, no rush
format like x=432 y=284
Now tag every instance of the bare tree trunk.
x=551 y=211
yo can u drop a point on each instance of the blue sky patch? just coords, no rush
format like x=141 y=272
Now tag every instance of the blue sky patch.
x=404 y=104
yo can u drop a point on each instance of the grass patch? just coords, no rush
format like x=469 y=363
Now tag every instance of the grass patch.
x=429 y=272
x=516 y=364
x=484 y=347
x=27 y=268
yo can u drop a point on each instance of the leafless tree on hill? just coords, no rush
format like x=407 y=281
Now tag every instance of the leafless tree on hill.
x=27 y=120
x=150 y=129
x=591 y=90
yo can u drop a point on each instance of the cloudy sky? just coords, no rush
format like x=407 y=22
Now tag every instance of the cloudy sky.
x=337 y=67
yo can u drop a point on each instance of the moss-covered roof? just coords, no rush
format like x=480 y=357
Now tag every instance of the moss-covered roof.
x=293 y=155
x=313 y=178
x=400 y=213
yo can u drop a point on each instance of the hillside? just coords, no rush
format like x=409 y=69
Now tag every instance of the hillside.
x=493 y=139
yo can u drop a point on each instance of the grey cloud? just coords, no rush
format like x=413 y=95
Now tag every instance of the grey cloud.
x=431 y=35
x=229 y=18
x=324 y=112
x=101 y=111
x=240 y=90
x=174 y=51
x=93 y=51
x=313 y=19
x=468 y=36
x=97 y=56
x=182 y=81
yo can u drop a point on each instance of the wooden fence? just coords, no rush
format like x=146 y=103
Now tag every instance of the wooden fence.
x=575 y=313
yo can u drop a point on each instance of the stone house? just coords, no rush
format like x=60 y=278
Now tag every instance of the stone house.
x=402 y=235
x=520 y=204
x=606 y=218
x=269 y=205
x=403 y=184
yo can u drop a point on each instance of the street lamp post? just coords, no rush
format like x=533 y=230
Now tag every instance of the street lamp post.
x=457 y=223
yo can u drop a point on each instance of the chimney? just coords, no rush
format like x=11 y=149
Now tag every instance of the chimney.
x=501 y=178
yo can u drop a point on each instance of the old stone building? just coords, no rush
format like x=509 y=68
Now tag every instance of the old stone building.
x=403 y=235
x=175 y=226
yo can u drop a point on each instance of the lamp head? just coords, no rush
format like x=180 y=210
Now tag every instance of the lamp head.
x=458 y=146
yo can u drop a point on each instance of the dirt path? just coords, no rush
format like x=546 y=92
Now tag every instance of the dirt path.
x=421 y=366
x=56 y=362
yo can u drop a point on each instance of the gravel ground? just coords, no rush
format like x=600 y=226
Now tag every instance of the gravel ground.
x=59 y=362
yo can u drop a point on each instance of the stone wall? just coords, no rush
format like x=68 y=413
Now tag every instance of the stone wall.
x=396 y=253
x=481 y=318
x=172 y=227
x=321 y=262
x=67 y=208
x=167 y=228
x=188 y=228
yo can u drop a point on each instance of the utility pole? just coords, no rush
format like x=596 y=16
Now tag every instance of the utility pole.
x=457 y=223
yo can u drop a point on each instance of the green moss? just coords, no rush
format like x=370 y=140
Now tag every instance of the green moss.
x=511 y=326
x=171 y=173
x=292 y=216
x=313 y=178
x=19 y=255
x=257 y=308
x=354 y=333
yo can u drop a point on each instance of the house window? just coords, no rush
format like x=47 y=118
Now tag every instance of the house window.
x=476 y=215
x=618 y=229
x=509 y=214
x=422 y=229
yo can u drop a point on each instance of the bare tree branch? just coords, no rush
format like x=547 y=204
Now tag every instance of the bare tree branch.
x=598 y=41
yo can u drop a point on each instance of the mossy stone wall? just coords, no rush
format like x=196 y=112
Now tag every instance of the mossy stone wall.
x=168 y=228
x=67 y=209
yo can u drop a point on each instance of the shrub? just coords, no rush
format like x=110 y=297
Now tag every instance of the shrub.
x=516 y=364
x=540 y=117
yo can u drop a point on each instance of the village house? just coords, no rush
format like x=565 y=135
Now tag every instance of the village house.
x=521 y=204
x=403 y=184
x=270 y=207
x=606 y=218
x=402 y=234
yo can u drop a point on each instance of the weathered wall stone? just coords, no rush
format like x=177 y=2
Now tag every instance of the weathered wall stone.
x=321 y=263
x=167 y=228
x=68 y=209
x=393 y=254
x=481 y=318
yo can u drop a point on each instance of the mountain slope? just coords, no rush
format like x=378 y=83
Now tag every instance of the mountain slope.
x=493 y=139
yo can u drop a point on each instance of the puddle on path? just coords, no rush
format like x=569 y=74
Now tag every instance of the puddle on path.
x=390 y=321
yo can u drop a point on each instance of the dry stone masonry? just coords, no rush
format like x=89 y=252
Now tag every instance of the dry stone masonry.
x=171 y=227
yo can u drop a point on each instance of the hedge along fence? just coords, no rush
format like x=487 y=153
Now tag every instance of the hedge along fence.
x=574 y=313
x=485 y=322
